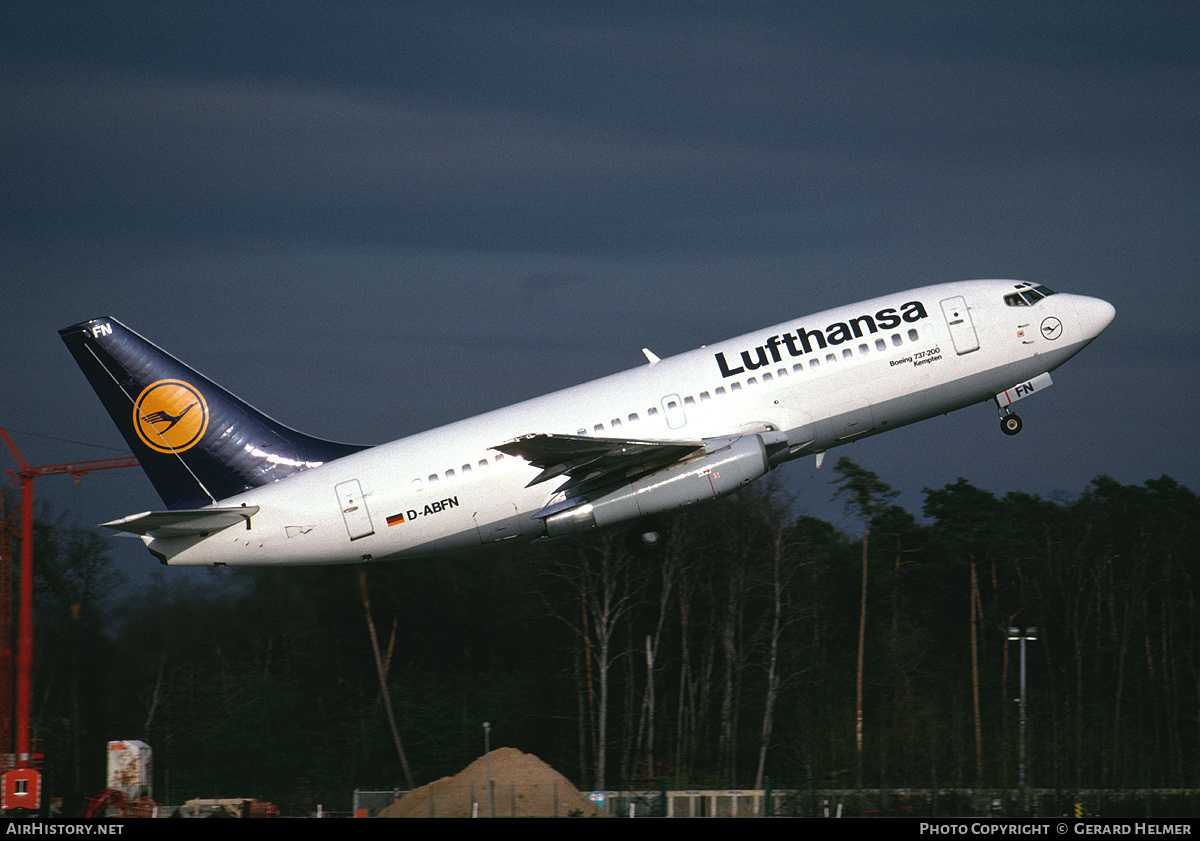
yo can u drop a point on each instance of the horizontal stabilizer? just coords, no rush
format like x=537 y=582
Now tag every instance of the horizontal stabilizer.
x=201 y=521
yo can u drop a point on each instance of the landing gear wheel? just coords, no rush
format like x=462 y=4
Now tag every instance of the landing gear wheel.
x=647 y=537
x=1010 y=424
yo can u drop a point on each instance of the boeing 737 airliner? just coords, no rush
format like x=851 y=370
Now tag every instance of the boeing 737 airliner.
x=240 y=488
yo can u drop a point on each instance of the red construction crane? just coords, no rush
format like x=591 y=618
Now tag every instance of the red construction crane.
x=25 y=795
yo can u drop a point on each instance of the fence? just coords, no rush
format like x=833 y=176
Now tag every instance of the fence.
x=451 y=800
x=784 y=799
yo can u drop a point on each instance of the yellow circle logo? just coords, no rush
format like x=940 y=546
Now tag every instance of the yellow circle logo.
x=170 y=416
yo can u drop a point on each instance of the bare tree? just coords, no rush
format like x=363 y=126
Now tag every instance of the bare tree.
x=598 y=571
x=780 y=578
x=865 y=496
x=381 y=666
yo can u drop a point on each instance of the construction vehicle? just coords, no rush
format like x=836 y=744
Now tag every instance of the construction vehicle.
x=112 y=803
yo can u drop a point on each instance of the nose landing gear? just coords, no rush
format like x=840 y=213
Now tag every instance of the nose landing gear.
x=1010 y=424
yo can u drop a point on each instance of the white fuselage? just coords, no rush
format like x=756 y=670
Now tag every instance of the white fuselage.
x=821 y=380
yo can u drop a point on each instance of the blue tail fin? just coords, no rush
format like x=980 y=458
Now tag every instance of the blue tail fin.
x=197 y=442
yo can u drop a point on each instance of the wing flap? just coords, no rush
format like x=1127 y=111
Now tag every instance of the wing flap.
x=183 y=523
x=595 y=461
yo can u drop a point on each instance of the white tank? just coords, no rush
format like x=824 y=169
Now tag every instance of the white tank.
x=129 y=768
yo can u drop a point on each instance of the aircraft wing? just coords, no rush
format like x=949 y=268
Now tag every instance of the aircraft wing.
x=184 y=523
x=595 y=462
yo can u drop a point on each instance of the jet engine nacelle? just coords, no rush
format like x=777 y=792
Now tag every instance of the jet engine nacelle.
x=727 y=466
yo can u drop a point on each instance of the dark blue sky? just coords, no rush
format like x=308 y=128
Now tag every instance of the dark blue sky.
x=371 y=219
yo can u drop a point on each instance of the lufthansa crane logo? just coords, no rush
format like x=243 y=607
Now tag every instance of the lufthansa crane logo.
x=1052 y=328
x=170 y=416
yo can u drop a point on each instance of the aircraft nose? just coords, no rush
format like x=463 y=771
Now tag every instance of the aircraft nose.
x=1094 y=315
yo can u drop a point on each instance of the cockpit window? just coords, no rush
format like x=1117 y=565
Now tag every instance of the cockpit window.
x=1028 y=296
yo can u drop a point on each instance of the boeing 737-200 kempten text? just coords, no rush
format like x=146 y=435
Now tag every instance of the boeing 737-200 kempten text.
x=625 y=450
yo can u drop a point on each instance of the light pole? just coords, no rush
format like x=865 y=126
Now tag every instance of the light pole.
x=487 y=752
x=1027 y=635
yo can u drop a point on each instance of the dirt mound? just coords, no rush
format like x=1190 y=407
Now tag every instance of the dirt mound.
x=522 y=787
